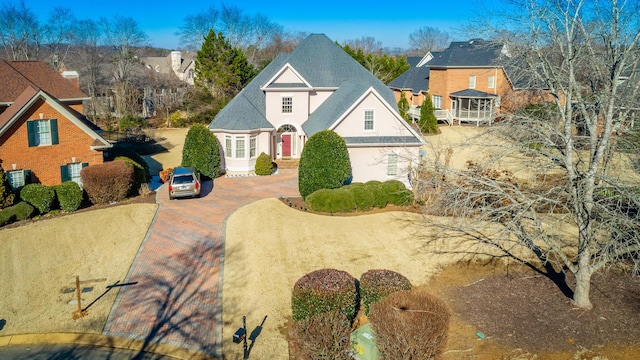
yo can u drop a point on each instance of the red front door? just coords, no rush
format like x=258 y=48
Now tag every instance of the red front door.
x=286 y=145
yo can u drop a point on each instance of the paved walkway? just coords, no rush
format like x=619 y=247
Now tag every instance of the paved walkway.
x=177 y=299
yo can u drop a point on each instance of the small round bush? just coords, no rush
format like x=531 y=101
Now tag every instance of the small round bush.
x=405 y=315
x=375 y=285
x=324 y=336
x=323 y=291
x=331 y=201
x=139 y=175
x=362 y=196
x=23 y=210
x=380 y=199
x=69 y=195
x=264 y=166
x=397 y=193
x=40 y=196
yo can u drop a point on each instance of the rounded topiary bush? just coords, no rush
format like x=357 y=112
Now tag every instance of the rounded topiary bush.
x=264 y=165
x=324 y=336
x=380 y=199
x=69 y=195
x=40 y=196
x=375 y=285
x=323 y=291
x=324 y=163
x=410 y=325
x=397 y=193
x=139 y=175
x=362 y=196
x=331 y=201
x=107 y=182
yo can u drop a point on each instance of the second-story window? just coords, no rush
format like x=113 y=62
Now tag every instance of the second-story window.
x=287 y=105
x=492 y=82
x=368 y=120
x=42 y=132
x=472 y=82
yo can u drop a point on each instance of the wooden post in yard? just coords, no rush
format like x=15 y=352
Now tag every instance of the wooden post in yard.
x=78 y=313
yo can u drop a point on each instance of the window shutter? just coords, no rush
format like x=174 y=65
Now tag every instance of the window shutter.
x=27 y=176
x=32 y=132
x=54 y=131
x=64 y=173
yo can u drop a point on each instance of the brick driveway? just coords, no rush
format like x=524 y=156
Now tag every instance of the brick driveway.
x=179 y=268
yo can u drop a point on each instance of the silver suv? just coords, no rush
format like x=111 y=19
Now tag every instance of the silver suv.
x=184 y=182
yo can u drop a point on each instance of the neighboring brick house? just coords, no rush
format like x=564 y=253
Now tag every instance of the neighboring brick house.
x=471 y=81
x=317 y=86
x=44 y=137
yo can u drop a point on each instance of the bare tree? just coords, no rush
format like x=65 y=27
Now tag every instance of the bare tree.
x=196 y=27
x=59 y=35
x=550 y=189
x=123 y=35
x=428 y=38
x=90 y=57
x=19 y=32
x=368 y=45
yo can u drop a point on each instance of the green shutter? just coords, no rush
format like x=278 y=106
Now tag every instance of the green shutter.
x=27 y=176
x=84 y=165
x=32 y=132
x=64 y=173
x=54 y=131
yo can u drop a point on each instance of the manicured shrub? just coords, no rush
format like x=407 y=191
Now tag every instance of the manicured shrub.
x=324 y=291
x=397 y=193
x=324 y=336
x=410 y=325
x=139 y=175
x=324 y=163
x=124 y=151
x=375 y=285
x=7 y=216
x=380 y=199
x=362 y=196
x=201 y=151
x=107 y=182
x=331 y=201
x=7 y=196
x=40 y=196
x=264 y=165
x=69 y=195
x=17 y=212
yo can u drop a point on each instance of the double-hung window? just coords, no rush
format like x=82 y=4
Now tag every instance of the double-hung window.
x=18 y=178
x=369 y=120
x=42 y=132
x=472 y=82
x=287 y=104
x=71 y=172
x=492 y=82
x=392 y=164
x=252 y=147
x=437 y=101
x=227 y=146
x=240 y=150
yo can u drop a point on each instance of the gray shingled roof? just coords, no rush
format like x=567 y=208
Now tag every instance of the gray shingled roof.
x=323 y=64
x=472 y=53
x=472 y=93
x=415 y=79
x=382 y=140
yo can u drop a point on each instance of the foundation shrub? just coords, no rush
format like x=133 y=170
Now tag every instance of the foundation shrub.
x=331 y=201
x=324 y=163
x=376 y=285
x=397 y=193
x=410 y=325
x=7 y=196
x=7 y=216
x=380 y=199
x=107 y=182
x=69 y=195
x=120 y=150
x=323 y=291
x=361 y=195
x=42 y=197
x=264 y=166
x=17 y=212
x=324 y=336
x=139 y=175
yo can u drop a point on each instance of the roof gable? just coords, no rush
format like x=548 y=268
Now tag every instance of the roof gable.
x=287 y=76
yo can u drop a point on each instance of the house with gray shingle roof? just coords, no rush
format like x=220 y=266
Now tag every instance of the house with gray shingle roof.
x=317 y=86
x=413 y=83
x=44 y=137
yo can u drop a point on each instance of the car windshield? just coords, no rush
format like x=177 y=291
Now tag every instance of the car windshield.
x=183 y=179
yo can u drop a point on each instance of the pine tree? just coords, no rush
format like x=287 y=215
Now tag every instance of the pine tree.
x=403 y=108
x=7 y=197
x=221 y=68
x=428 y=121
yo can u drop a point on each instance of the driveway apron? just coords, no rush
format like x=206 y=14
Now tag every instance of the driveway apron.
x=174 y=294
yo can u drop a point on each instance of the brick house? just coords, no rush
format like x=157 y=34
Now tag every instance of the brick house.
x=470 y=81
x=44 y=138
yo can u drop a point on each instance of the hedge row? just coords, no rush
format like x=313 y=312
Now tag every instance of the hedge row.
x=17 y=212
x=360 y=197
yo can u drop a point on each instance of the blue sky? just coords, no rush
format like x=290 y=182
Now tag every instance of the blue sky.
x=389 y=22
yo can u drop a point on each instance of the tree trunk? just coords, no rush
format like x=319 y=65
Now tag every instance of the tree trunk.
x=583 y=283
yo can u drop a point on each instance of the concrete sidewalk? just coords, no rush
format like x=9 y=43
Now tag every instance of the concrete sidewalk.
x=177 y=299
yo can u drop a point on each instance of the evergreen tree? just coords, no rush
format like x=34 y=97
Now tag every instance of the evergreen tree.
x=403 y=108
x=221 y=68
x=428 y=122
x=201 y=151
x=7 y=197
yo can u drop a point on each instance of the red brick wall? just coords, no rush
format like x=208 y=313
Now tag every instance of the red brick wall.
x=444 y=82
x=44 y=161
